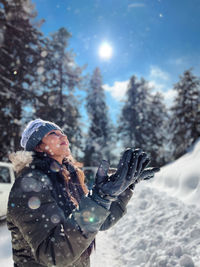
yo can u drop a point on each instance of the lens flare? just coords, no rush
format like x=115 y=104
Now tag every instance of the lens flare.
x=55 y=167
x=55 y=218
x=34 y=203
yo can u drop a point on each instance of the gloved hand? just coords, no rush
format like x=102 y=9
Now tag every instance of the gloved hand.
x=146 y=173
x=108 y=188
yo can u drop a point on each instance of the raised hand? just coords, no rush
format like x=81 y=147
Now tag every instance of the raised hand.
x=128 y=171
x=146 y=173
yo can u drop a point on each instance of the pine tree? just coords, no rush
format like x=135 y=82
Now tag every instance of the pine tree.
x=142 y=120
x=99 y=136
x=129 y=122
x=19 y=41
x=58 y=78
x=134 y=115
x=157 y=130
x=185 y=120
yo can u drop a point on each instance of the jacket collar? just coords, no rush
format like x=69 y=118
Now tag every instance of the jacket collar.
x=22 y=159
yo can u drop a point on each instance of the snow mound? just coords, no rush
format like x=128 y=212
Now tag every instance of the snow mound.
x=157 y=231
x=181 y=178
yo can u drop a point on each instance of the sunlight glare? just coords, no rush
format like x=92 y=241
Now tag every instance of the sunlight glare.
x=105 y=51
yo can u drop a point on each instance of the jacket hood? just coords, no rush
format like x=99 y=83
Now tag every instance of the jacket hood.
x=42 y=161
x=21 y=159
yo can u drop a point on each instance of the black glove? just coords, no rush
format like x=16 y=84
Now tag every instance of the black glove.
x=146 y=173
x=129 y=168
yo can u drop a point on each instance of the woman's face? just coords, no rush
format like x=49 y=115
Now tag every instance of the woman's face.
x=55 y=144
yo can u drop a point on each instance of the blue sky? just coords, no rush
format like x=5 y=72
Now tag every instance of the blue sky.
x=156 y=39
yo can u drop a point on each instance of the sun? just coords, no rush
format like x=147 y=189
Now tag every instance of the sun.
x=105 y=50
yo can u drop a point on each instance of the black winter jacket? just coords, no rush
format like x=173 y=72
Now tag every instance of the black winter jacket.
x=46 y=229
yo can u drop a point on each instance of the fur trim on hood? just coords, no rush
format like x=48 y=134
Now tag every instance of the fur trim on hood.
x=20 y=159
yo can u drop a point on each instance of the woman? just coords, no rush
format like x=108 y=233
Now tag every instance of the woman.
x=52 y=218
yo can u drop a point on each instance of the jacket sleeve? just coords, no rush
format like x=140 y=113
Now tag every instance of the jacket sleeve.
x=54 y=238
x=117 y=210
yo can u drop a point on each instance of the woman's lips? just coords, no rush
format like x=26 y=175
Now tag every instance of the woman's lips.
x=63 y=143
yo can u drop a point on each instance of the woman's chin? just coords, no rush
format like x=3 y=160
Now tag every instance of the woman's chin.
x=67 y=152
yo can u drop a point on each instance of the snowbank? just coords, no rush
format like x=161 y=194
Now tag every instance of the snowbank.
x=157 y=231
x=182 y=177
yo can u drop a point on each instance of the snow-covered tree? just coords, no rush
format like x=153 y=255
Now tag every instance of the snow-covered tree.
x=157 y=129
x=19 y=42
x=185 y=121
x=58 y=77
x=99 y=136
x=58 y=68
x=142 y=120
x=132 y=114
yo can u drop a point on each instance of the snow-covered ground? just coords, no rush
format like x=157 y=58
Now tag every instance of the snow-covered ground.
x=5 y=247
x=161 y=227
x=158 y=230
x=182 y=177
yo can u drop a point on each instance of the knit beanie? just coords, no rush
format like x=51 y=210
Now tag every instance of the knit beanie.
x=35 y=131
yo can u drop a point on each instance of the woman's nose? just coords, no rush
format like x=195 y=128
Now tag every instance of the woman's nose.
x=62 y=135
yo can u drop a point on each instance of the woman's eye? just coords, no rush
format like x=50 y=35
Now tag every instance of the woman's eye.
x=53 y=133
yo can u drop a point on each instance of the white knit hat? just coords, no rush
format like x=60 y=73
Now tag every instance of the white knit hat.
x=35 y=131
